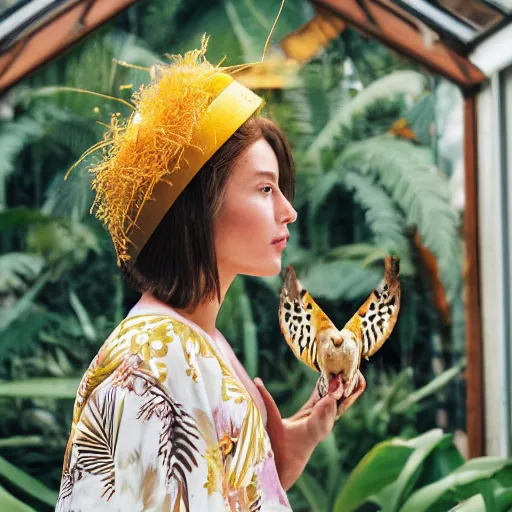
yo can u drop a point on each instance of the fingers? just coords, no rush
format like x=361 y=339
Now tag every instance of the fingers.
x=270 y=405
x=306 y=409
x=322 y=418
x=313 y=399
x=349 y=401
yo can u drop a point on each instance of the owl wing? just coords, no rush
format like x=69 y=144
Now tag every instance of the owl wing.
x=376 y=318
x=301 y=319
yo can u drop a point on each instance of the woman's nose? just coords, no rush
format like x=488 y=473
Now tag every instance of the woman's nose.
x=290 y=214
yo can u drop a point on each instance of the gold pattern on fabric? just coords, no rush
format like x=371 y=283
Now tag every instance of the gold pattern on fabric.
x=136 y=355
x=194 y=345
x=251 y=450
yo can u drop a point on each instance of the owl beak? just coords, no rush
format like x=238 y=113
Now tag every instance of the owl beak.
x=337 y=341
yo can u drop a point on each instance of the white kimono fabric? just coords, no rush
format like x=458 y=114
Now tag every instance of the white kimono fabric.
x=161 y=424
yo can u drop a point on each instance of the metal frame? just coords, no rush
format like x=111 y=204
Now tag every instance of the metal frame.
x=60 y=28
x=381 y=21
x=494 y=250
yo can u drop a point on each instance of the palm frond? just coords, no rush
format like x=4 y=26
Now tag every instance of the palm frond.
x=21 y=306
x=407 y=83
x=22 y=338
x=93 y=68
x=341 y=280
x=14 y=137
x=407 y=173
x=61 y=242
x=385 y=221
x=97 y=434
x=247 y=42
x=17 y=269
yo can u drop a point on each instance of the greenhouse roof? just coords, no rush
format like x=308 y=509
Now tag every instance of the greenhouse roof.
x=466 y=22
x=32 y=32
x=440 y=34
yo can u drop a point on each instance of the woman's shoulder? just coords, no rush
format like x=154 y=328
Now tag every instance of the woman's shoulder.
x=159 y=345
x=164 y=339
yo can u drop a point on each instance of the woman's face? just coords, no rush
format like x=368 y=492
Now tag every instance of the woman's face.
x=251 y=226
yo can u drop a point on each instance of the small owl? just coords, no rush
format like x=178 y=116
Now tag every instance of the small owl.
x=336 y=354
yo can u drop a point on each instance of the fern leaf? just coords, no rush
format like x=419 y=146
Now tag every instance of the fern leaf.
x=385 y=221
x=421 y=117
x=320 y=192
x=14 y=137
x=409 y=83
x=407 y=173
x=18 y=268
x=69 y=199
x=341 y=280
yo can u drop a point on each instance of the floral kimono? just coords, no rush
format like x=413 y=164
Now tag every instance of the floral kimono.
x=161 y=423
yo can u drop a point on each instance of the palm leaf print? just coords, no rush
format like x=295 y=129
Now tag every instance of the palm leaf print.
x=96 y=437
x=178 y=433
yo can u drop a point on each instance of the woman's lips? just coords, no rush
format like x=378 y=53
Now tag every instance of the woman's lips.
x=280 y=243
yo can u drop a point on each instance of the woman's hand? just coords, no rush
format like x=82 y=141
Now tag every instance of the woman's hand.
x=294 y=439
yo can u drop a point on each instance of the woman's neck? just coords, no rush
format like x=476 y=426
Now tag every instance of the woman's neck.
x=204 y=315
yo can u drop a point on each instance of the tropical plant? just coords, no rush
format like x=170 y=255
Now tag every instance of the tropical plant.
x=426 y=474
x=388 y=409
x=365 y=187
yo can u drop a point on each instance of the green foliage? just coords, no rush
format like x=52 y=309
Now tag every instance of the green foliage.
x=360 y=193
x=396 y=475
x=26 y=483
x=407 y=173
x=17 y=268
x=408 y=83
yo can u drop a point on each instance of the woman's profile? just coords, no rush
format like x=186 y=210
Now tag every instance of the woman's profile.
x=195 y=188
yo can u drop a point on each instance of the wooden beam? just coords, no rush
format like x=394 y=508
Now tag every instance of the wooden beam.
x=377 y=20
x=474 y=352
x=58 y=34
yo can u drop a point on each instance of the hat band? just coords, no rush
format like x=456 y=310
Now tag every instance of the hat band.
x=227 y=112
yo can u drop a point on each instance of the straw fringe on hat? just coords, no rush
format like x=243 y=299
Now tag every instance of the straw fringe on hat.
x=180 y=119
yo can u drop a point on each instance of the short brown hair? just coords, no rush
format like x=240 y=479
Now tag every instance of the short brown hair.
x=178 y=263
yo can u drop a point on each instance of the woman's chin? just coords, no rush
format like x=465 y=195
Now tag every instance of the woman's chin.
x=273 y=268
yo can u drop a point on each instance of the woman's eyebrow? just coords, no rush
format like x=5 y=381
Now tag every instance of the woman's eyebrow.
x=268 y=174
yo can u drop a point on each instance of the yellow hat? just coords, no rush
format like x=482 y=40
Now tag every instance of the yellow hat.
x=180 y=119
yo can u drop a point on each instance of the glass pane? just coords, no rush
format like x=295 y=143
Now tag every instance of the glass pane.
x=9 y=6
x=506 y=5
x=441 y=18
x=479 y=15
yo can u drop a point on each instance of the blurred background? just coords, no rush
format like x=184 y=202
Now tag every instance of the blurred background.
x=398 y=113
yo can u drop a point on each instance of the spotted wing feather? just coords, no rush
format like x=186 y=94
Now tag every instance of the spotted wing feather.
x=300 y=319
x=376 y=318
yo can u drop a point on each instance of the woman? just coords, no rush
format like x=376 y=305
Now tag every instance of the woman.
x=195 y=188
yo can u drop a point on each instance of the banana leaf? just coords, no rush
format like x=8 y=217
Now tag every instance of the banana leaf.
x=458 y=485
x=379 y=468
x=41 y=388
x=26 y=483
x=11 y=504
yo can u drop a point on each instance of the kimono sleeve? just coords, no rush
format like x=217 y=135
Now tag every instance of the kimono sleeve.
x=146 y=435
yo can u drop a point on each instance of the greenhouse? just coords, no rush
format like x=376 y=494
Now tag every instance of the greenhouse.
x=397 y=114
